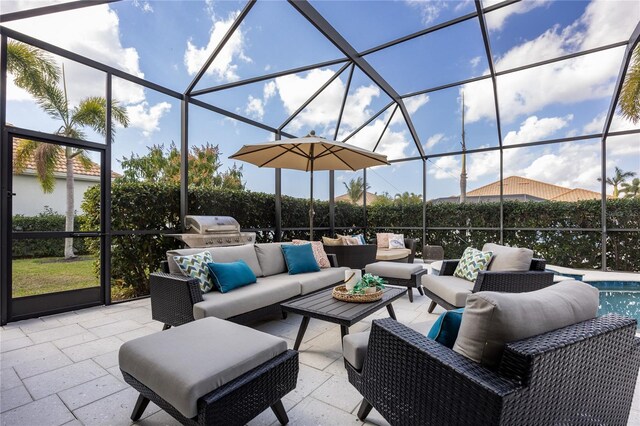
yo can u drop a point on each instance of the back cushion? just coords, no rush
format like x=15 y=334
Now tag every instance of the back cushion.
x=245 y=252
x=492 y=319
x=508 y=258
x=271 y=259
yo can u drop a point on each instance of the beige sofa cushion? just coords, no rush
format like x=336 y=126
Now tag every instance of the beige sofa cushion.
x=451 y=289
x=508 y=258
x=492 y=319
x=313 y=281
x=266 y=291
x=392 y=254
x=271 y=258
x=245 y=252
x=185 y=363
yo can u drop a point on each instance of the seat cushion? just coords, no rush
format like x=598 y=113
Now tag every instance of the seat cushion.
x=270 y=258
x=354 y=348
x=509 y=258
x=392 y=254
x=401 y=271
x=266 y=291
x=245 y=252
x=185 y=363
x=451 y=289
x=492 y=319
x=313 y=281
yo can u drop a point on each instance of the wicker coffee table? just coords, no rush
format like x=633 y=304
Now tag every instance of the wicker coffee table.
x=323 y=306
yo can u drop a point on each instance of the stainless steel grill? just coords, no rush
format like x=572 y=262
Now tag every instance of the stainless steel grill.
x=213 y=231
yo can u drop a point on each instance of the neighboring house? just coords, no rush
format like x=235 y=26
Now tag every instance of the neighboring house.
x=30 y=199
x=371 y=197
x=523 y=189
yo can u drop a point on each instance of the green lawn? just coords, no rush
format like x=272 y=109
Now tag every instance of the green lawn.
x=49 y=275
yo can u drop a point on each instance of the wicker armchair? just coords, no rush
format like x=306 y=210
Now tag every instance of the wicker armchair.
x=354 y=257
x=582 y=374
x=535 y=278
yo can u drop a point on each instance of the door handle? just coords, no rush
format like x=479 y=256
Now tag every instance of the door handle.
x=11 y=194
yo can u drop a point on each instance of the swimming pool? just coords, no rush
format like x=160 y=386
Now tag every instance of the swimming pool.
x=621 y=297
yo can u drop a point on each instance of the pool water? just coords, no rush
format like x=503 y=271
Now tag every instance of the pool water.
x=621 y=297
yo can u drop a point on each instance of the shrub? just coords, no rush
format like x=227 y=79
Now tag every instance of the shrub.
x=156 y=206
x=45 y=247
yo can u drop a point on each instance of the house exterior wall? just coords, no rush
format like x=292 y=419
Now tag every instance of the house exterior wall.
x=30 y=199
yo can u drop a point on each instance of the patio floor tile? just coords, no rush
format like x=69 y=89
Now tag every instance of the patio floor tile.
x=86 y=393
x=57 y=333
x=77 y=339
x=115 y=328
x=92 y=349
x=112 y=410
x=49 y=411
x=107 y=360
x=63 y=378
x=309 y=379
x=20 y=356
x=314 y=412
x=17 y=343
x=9 y=379
x=14 y=397
x=338 y=392
x=42 y=365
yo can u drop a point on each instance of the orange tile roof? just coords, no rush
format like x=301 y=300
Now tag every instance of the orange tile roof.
x=578 y=194
x=61 y=165
x=516 y=185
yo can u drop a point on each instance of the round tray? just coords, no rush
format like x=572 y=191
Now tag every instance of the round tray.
x=340 y=293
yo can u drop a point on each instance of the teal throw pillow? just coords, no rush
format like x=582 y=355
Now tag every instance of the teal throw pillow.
x=445 y=329
x=471 y=263
x=299 y=259
x=195 y=266
x=232 y=275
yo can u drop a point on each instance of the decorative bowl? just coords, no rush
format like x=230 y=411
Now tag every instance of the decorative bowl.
x=340 y=292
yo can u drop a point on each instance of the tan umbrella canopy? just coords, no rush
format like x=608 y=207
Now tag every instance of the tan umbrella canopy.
x=310 y=153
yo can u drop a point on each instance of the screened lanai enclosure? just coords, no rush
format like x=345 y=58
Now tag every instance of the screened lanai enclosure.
x=500 y=121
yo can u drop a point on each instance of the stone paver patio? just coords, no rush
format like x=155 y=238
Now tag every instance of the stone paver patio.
x=63 y=369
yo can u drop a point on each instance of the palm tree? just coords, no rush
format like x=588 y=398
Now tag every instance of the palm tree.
x=631 y=190
x=618 y=178
x=355 y=189
x=630 y=94
x=463 y=169
x=31 y=67
x=407 y=198
x=90 y=112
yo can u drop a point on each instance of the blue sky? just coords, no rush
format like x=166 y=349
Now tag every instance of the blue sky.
x=166 y=41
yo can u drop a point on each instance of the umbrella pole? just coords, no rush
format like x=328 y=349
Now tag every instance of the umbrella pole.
x=311 y=206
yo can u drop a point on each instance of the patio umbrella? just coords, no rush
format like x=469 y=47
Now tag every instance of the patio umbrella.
x=310 y=153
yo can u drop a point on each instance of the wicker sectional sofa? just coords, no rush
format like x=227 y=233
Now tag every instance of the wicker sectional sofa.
x=176 y=299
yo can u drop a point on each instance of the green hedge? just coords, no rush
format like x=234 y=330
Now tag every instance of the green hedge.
x=147 y=206
x=47 y=247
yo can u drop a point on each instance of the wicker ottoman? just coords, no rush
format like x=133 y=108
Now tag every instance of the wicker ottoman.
x=402 y=274
x=210 y=371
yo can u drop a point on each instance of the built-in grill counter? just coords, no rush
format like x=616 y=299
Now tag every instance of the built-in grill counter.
x=213 y=231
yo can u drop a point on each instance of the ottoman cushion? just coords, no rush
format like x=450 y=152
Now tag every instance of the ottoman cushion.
x=401 y=271
x=451 y=289
x=185 y=363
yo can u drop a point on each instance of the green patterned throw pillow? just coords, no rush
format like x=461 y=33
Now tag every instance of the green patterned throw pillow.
x=195 y=266
x=471 y=263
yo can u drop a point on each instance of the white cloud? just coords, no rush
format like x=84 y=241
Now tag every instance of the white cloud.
x=497 y=18
x=269 y=90
x=429 y=9
x=619 y=123
x=255 y=108
x=143 y=5
x=147 y=118
x=223 y=67
x=433 y=141
x=567 y=82
x=534 y=129
x=475 y=61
